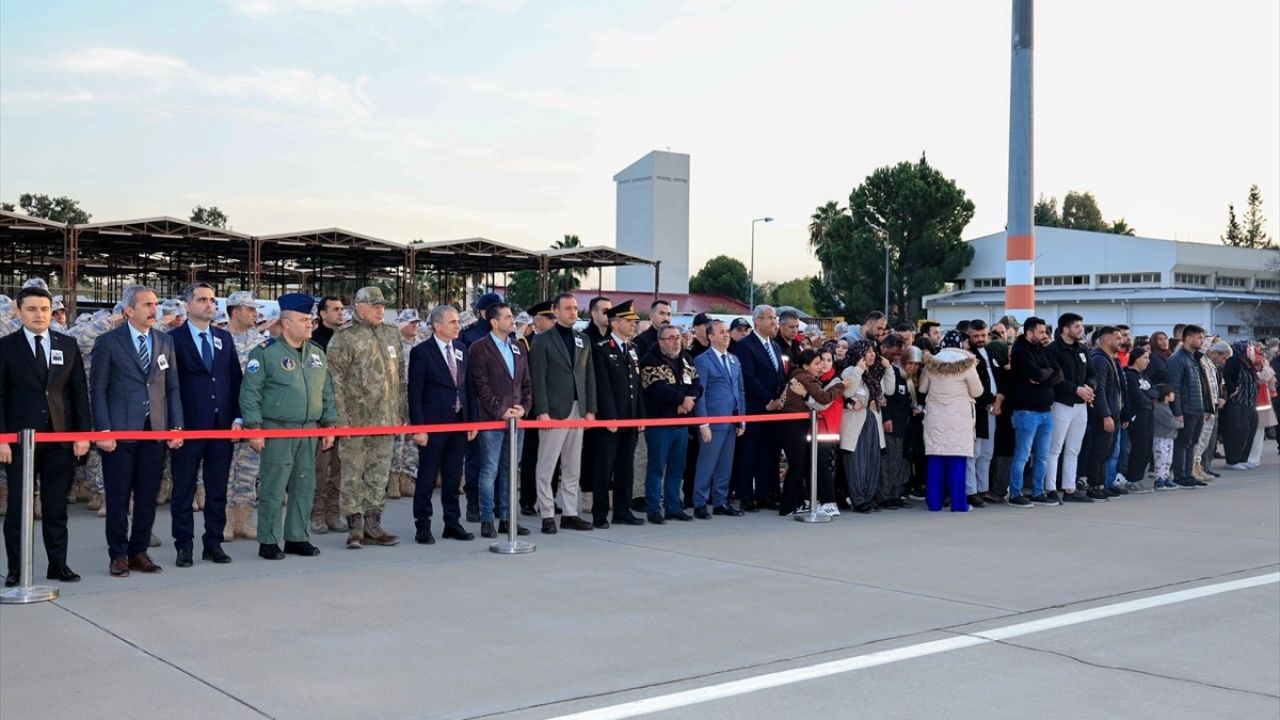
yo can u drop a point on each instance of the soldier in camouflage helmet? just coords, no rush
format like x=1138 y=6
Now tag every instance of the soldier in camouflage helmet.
x=242 y=488
x=404 y=453
x=364 y=359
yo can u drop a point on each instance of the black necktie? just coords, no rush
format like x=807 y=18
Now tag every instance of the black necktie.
x=41 y=362
x=206 y=352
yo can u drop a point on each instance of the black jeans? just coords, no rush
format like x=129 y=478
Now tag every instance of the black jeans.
x=1184 y=446
x=1101 y=443
x=1140 y=448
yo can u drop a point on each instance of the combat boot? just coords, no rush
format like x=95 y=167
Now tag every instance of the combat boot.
x=229 y=527
x=393 y=485
x=95 y=501
x=166 y=491
x=4 y=499
x=247 y=522
x=408 y=485
x=355 y=532
x=198 y=504
x=373 y=529
x=334 y=523
x=318 y=526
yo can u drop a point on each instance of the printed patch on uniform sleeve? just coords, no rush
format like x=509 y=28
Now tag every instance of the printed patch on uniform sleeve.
x=287 y=363
x=315 y=361
x=253 y=366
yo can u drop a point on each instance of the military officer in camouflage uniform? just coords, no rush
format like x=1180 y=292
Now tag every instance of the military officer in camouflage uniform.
x=365 y=361
x=287 y=385
x=242 y=488
x=404 y=453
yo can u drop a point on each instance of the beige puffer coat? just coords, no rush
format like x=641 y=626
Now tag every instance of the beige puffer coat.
x=951 y=380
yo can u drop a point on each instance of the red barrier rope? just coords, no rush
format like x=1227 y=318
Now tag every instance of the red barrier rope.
x=53 y=437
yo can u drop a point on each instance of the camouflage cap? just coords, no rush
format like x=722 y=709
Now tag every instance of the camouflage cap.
x=58 y=304
x=523 y=319
x=407 y=315
x=36 y=283
x=269 y=317
x=371 y=295
x=220 y=318
x=241 y=298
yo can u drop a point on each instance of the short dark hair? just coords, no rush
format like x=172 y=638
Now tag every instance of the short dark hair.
x=491 y=313
x=873 y=315
x=927 y=324
x=324 y=302
x=562 y=297
x=32 y=291
x=1122 y=327
x=1031 y=323
x=189 y=292
x=787 y=316
x=1164 y=390
x=975 y=325
x=1191 y=330
x=893 y=341
x=807 y=356
x=666 y=327
x=1105 y=330
x=904 y=327
x=1067 y=319
x=654 y=305
x=595 y=301
x=963 y=326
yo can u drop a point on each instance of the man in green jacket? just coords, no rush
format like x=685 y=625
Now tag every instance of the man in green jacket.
x=286 y=385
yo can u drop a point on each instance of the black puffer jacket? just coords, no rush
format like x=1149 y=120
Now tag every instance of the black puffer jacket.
x=1073 y=360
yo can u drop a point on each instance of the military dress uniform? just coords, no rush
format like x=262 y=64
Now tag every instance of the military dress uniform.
x=365 y=362
x=287 y=387
x=619 y=396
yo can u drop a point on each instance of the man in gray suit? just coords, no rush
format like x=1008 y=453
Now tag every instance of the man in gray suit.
x=564 y=388
x=134 y=386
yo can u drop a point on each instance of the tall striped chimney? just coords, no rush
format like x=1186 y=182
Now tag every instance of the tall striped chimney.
x=1020 y=243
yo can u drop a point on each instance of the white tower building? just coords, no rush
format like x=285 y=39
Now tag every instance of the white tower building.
x=653 y=221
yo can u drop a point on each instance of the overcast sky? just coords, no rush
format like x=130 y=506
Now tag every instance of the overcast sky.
x=443 y=119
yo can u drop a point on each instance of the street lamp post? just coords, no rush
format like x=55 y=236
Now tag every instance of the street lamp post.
x=751 y=290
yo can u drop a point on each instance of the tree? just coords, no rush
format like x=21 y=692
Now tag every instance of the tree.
x=1234 y=236
x=923 y=214
x=1046 y=212
x=1080 y=212
x=522 y=291
x=60 y=209
x=1255 y=225
x=570 y=278
x=211 y=216
x=7 y=207
x=1120 y=227
x=722 y=275
x=797 y=294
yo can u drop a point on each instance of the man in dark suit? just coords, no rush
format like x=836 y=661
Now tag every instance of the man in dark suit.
x=619 y=396
x=42 y=387
x=437 y=395
x=659 y=315
x=763 y=378
x=134 y=387
x=477 y=331
x=208 y=372
x=564 y=388
x=499 y=371
x=987 y=407
x=720 y=375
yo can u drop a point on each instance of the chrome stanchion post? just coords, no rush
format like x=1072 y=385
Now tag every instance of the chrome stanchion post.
x=512 y=546
x=813 y=516
x=25 y=592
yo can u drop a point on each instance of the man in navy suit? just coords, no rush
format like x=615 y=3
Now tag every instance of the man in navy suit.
x=208 y=371
x=763 y=379
x=42 y=387
x=437 y=395
x=134 y=387
x=720 y=375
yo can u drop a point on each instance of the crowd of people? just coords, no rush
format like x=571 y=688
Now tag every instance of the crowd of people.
x=1013 y=413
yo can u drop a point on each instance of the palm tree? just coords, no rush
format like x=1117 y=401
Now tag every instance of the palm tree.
x=567 y=279
x=821 y=227
x=1120 y=227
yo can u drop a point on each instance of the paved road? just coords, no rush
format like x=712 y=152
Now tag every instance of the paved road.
x=594 y=620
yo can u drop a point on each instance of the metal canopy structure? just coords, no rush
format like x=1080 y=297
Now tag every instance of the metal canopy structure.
x=168 y=253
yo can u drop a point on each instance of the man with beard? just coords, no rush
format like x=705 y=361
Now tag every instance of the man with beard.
x=1071 y=397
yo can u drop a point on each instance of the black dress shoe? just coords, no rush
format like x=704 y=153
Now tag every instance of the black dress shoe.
x=750 y=506
x=729 y=510
x=682 y=516
x=503 y=528
x=600 y=524
x=657 y=519
x=301 y=547
x=216 y=555
x=701 y=513
x=549 y=526
x=528 y=511
x=184 y=559
x=639 y=504
x=423 y=536
x=573 y=522
x=472 y=515
x=11 y=580
x=976 y=500
x=627 y=519
x=456 y=532
x=487 y=530
x=62 y=574
x=270 y=552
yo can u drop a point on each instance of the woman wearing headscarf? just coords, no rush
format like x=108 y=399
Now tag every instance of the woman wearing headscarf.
x=1266 y=414
x=951 y=380
x=1158 y=369
x=804 y=391
x=1240 y=416
x=913 y=444
x=862 y=426
x=1139 y=405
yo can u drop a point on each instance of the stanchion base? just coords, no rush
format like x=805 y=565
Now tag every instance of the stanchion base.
x=812 y=517
x=512 y=547
x=26 y=595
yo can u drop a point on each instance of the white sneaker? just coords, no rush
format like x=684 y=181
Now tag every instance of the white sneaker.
x=830 y=509
x=1120 y=478
x=1238 y=466
x=1251 y=465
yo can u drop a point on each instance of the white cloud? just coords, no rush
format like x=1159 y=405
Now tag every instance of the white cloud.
x=272 y=8
x=703 y=31
x=40 y=97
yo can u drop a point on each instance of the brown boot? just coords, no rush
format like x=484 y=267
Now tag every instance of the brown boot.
x=373 y=529
x=229 y=529
x=4 y=499
x=393 y=485
x=334 y=523
x=355 y=532
x=166 y=491
x=198 y=504
x=95 y=501
x=247 y=523
x=408 y=485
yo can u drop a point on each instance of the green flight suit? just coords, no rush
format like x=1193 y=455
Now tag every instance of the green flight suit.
x=285 y=387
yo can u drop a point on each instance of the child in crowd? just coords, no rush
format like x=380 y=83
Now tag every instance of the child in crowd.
x=1164 y=429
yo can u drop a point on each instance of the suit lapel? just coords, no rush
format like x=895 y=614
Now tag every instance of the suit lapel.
x=30 y=352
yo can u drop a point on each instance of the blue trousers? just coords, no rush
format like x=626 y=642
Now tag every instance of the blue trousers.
x=185 y=462
x=715 y=466
x=946 y=471
x=495 y=472
x=1032 y=433
x=665 y=475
